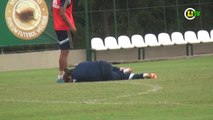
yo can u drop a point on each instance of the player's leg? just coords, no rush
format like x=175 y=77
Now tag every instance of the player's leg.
x=63 y=61
x=143 y=76
x=127 y=73
x=64 y=45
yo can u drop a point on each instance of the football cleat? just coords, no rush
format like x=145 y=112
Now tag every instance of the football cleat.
x=153 y=76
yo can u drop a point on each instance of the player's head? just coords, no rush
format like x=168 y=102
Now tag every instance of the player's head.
x=67 y=75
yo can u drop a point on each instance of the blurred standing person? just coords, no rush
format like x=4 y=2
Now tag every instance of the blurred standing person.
x=64 y=27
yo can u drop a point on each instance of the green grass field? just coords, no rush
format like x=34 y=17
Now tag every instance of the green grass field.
x=183 y=91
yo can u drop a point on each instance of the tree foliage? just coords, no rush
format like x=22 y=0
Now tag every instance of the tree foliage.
x=117 y=17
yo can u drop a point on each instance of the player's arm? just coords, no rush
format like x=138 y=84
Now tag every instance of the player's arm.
x=126 y=70
x=64 y=17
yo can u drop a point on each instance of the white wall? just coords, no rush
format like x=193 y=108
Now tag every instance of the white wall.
x=49 y=59
x=37 y=60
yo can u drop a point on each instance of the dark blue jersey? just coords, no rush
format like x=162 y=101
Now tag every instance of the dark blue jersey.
x=92 y=71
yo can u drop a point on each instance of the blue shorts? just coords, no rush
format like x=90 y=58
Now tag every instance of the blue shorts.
x=64 y=39
x=111 y=73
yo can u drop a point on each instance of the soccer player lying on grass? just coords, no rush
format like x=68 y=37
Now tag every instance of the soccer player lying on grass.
x=101 y=71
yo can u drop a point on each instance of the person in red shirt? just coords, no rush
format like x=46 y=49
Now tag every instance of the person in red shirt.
x=64 y=27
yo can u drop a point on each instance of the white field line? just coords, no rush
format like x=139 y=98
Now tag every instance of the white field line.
x=153 y=88
x=100 y=103
x=38 y=101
